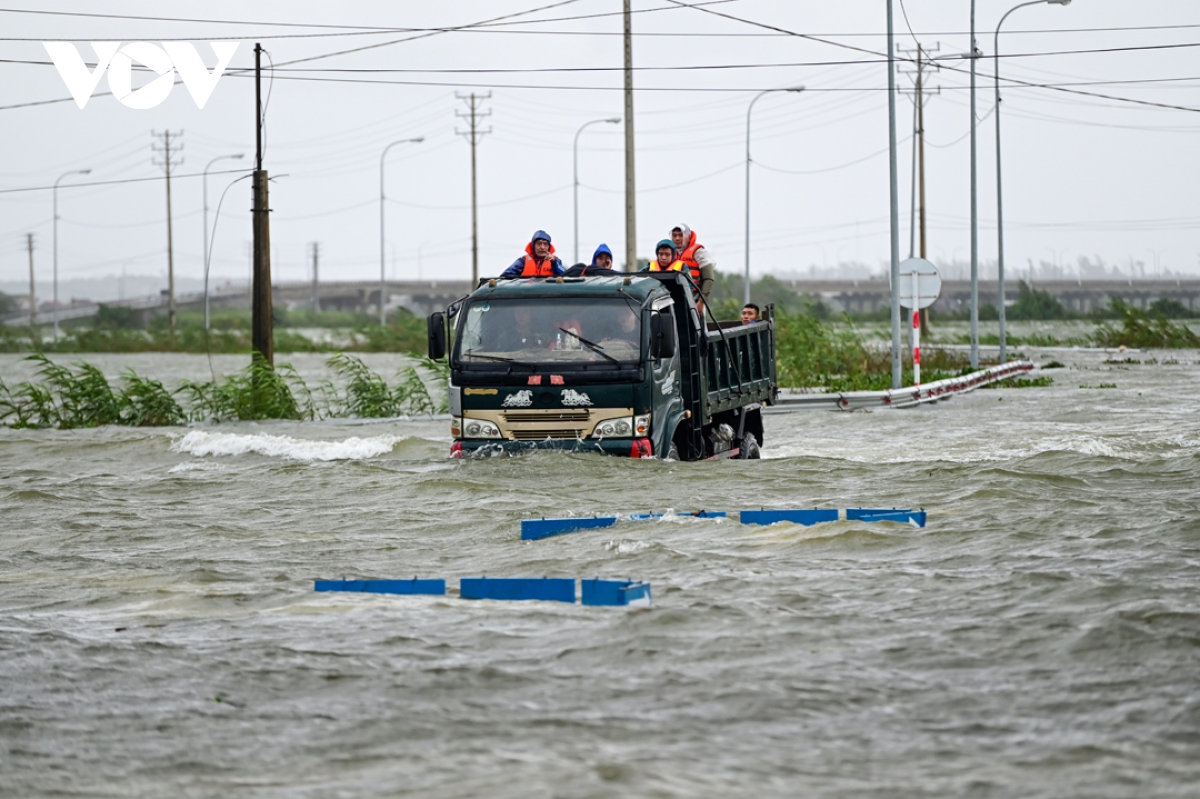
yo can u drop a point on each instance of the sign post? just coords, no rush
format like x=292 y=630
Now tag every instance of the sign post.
x=920 y=290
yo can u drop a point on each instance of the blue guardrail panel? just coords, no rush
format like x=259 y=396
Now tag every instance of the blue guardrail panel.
x=549 y=589
x=413 y=586
x=535 y=529
x=804 y=516
x=615 y=593
x=700 y=514
x=917 y=517
x=853 y=514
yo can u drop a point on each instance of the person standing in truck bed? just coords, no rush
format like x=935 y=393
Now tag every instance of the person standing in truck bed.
x=695 y=257
x=539 y=259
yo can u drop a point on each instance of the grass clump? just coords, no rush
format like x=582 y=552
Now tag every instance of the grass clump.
x=260 y=391
x=1023 y=382
x=813 y=353
x=81 y=396
x=1144 y=330
x=369 y=396
x=68 y=399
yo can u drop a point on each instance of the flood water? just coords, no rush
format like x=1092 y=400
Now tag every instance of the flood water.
x=160 y=636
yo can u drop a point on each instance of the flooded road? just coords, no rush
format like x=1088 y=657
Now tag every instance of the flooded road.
x=159 y=633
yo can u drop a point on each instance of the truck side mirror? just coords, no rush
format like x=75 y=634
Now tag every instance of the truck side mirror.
x=662 y=335
x=437 y=336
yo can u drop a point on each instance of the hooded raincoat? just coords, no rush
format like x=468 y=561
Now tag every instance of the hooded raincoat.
x=696 y=258
x=529 y=265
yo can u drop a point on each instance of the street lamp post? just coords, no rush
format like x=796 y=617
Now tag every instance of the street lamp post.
x=748 y=110
x=999 y=190
x=60 y=177
x=382 y=246
x=204 y=180
x=610 y=121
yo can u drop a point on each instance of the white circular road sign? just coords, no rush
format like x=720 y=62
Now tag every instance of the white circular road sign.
x=920 y=277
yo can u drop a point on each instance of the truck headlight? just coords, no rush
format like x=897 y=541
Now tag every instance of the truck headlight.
x=614 y=428
x=478 y=428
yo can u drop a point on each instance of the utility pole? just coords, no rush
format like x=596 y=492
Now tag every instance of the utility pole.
x=316 y=296
x=895 y=202
x=974 y=207
x=631 y=264
x=32 y=291
x=166 y=164
x=473 y=135
x=921 y=95
x=262 y=333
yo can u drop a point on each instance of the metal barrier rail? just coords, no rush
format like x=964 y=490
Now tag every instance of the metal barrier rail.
x=897 y=398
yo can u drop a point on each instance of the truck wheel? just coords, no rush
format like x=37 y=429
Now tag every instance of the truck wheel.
x=748 y=449
x=673 y=452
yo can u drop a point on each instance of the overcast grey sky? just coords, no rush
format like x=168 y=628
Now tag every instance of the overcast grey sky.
x=1083 y=175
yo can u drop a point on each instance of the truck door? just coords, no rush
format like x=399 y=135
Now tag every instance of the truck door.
x=665 y=377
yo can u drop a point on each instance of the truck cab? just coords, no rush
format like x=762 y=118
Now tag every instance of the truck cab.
x=618 y=365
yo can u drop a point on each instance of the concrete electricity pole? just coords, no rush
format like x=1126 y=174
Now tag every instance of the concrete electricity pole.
x=895 y=202
x=32 y=291
x=974 y=56
x=316 y=296
x=473 y=135
x=921 y=92
x=166 y=164
x=262 y=334
x=631 y=264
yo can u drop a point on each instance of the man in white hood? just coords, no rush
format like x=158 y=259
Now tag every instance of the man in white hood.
x=695 y=257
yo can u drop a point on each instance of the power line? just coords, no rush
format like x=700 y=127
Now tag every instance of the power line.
x=945 y=66
x=126 y=180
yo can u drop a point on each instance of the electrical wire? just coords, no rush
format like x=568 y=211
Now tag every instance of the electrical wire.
x=124 y=180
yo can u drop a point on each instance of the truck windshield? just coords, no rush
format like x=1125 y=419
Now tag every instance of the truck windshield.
x=547 y=330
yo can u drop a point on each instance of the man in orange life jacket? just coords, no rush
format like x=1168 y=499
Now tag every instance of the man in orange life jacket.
x=539 y=259
x=667 y=261
x=695 y=257
x=665 y=258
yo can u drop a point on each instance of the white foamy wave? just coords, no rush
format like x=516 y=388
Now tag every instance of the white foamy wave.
x=625 y=547
x=195 y=466
x=200 y=443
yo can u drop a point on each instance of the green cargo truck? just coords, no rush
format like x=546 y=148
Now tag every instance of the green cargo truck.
x=620 y=365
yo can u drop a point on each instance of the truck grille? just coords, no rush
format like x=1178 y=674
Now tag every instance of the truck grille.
x=541 y=435
x=547 y=416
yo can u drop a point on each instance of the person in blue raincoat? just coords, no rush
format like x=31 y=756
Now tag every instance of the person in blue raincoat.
x=601 y=265
x=539 y=259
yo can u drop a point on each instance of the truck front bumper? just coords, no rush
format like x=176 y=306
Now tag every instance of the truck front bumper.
x=622 y=447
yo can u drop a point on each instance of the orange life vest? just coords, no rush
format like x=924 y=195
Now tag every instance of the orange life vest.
x=532 y=269
x=688 y=257
x=675 y=267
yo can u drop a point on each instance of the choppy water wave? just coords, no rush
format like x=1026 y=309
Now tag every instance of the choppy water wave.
x=159 y=632
x=202 y=442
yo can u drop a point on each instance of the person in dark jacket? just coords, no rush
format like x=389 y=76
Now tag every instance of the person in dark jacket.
x=601 y=265
x=539 y=259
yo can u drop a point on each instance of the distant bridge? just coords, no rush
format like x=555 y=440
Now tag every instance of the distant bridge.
x=864 y=296
x=422 y=297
